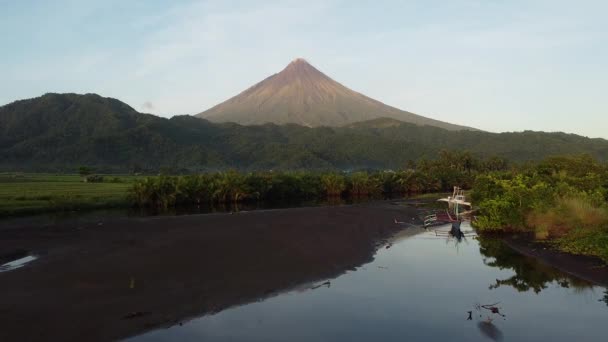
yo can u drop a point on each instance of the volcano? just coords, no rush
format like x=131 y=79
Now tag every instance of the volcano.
x=301 y=94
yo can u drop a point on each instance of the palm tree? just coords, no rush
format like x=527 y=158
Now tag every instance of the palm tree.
x=230 y=186
x=363 y=185
x=166 y=192
x=193 y=189
x=405 y=181
x=141 y=191
x=333 y=184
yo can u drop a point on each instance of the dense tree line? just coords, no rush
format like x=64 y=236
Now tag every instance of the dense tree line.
x=441 y=174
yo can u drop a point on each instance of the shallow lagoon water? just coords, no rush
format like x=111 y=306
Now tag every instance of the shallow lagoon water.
x=419 y=289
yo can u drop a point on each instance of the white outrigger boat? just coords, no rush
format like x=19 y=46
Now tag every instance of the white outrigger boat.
x=457 y=199
x=459 y=209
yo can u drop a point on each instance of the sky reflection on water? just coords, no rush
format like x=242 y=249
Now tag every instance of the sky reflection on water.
x=419 y=289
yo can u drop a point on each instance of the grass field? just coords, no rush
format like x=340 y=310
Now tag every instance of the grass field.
x=35 y=193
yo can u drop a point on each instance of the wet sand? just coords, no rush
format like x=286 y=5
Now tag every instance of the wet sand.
x=103 y=281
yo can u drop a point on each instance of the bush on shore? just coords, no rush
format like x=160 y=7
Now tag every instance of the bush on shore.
x=562 y=199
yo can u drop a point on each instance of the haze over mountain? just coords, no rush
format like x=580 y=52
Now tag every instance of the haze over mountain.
x=59 y=132
x=303 y=95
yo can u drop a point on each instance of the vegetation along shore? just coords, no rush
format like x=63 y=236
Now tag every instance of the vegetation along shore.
x=34 y=193
x=560 y=201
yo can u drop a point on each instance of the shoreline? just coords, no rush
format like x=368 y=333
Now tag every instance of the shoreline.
x=109 y=280
x=126 y=208
x=587 y=268
x=121 y=277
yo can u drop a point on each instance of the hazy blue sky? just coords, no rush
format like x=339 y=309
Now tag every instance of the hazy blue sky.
x=495 y=65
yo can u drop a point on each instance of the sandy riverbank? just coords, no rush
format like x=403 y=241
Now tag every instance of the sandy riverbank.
x=102 y=281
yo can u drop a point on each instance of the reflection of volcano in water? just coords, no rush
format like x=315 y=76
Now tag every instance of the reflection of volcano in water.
x=121 y=278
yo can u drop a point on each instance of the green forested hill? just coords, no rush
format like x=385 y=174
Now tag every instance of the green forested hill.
x=59 y=132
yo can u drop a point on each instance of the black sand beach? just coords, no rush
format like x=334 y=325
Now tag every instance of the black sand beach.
x=107 y=280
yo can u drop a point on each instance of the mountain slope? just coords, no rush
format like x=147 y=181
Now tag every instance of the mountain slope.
x=303 y=95
x=59 y=132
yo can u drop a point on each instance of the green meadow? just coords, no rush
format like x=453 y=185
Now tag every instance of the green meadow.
x=25 y=193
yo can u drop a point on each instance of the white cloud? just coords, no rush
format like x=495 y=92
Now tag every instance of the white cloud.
x=147 y=106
